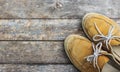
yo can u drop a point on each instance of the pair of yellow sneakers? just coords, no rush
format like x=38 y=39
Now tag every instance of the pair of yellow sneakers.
x=91 y=55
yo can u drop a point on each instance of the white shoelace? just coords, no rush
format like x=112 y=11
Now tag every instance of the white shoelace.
x=97 y=49
x=106 y=39
x=94 y=57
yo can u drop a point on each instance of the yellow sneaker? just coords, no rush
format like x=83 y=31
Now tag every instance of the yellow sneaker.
x=86 y=56
x=100 y=28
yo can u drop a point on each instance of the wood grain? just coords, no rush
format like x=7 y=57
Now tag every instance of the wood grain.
x=32 y=32
x=36 y=68
x=32 y=52
x=43 y=29
x=57 y=8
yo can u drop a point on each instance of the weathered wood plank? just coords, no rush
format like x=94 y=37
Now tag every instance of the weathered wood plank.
x=37 y=68
x=32 y=52
x=42 y=29
x=57 y=8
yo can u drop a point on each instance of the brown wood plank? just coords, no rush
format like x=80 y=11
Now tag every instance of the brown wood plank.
x=32 y=52
x=57 y=8
x=35 y=29
x=36 y=68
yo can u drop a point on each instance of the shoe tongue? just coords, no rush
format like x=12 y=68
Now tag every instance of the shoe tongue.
x=109 y=68
x=115 y=42
x=116 y=50
x=102 y=60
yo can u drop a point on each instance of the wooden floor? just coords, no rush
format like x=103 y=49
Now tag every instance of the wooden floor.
x=32 y=32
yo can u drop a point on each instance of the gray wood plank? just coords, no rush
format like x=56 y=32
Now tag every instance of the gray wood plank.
x=37 y=68
x=35 y=29
x=43 y=29
x=57 y=8
x=32 y=52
